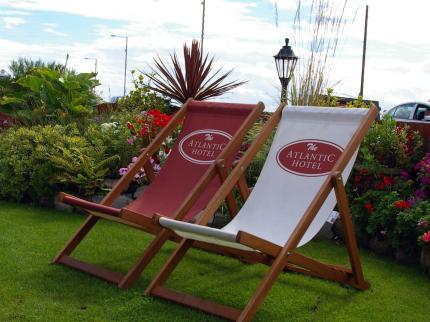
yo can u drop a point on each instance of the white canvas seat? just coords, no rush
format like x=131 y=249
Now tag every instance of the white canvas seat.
x=280 y=198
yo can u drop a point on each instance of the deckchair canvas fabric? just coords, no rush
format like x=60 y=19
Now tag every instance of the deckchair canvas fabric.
x=305 y=148
x=207 y=128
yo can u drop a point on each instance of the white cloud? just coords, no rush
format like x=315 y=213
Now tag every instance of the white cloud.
x=54 y=32
x=12 y=22
x=13 y=13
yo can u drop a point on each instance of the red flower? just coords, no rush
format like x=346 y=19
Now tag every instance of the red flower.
x=402 y=204
x=362 y=172
x=130 y=126
x=369 y=207
x=357 y=179
x=380 y=186
x=426 y=237
x=388 y=181
x=143 y=131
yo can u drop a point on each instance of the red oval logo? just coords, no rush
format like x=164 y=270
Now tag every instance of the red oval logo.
x=310 y=158
x=203 y=146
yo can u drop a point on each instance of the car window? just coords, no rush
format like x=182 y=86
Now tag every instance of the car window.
x=421 y=112
x=404 y=111
x=392 y=111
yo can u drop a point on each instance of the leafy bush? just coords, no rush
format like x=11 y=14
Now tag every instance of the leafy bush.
x=387 y=145
x=78 y=169
x=113 y=135
x=358 y=103
x=411 y=224
x=30 y=166
x=423 y=176
x=327 y=100
x=141 y=98
x=375 y=212
x=46 y=95
x=145 y=126
x=388 y=189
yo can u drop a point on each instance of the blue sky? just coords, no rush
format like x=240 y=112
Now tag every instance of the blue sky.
x=241 y=34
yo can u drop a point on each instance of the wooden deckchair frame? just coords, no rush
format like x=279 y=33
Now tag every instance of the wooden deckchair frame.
x=132 y=219
x=278 y=258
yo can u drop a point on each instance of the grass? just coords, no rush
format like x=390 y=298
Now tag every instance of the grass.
x=33 y=290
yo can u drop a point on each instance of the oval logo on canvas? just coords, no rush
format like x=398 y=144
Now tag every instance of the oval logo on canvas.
x=203 y=146
x=310 y=158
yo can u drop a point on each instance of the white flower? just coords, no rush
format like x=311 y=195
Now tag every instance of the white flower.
x=107 y=126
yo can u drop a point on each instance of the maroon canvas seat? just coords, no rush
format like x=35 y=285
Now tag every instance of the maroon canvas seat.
x=194 y=151
x=207 y=145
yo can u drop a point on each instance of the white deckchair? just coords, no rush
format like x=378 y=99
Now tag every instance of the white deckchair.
x=309 y=162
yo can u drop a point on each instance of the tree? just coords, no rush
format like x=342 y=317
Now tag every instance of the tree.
x=23 y=66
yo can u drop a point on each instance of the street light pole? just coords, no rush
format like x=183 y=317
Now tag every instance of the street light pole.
x=126 y=54
x=95 y=65
x=125 y=65
x=285 y=62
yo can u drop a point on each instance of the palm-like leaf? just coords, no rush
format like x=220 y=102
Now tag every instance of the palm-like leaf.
x=194 y=81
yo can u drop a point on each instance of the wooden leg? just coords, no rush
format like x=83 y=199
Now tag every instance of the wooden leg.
x=77 y=237
x=265 y=286
x=351 y=242
x=145 y=259
x=170 y=265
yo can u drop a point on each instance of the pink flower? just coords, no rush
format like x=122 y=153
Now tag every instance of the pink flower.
x=122 y=171
x=404 y=174
x=130 y=141
x=425 y=180
x=423 y=223
x=426 y=237
x=418 y=165
x=420 y=194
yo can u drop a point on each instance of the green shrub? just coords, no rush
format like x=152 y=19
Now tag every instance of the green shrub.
x=141 y=98
x=375 y=212
x=80 y=168
x=30 y=163
x=113 y=134
x=46 y=95
x=410 y=226
x=388 y=146
x=358 y=103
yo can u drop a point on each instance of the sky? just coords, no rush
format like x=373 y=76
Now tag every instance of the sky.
x=243 y=35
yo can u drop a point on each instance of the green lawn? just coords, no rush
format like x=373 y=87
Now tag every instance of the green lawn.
x=33 y=290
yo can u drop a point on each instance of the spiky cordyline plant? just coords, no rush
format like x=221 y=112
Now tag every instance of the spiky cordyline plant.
x=196 y=79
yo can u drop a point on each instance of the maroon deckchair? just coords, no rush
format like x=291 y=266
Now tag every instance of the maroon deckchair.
x=206 y=147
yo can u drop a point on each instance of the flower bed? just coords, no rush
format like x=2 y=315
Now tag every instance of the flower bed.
x=389 y=193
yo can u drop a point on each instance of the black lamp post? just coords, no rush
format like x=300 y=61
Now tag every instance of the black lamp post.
x=285 y=61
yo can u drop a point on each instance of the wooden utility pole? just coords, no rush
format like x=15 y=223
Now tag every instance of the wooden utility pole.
x=203 y=25
x=363 y=61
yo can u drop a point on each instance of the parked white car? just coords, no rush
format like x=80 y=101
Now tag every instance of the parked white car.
x=418 y=111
